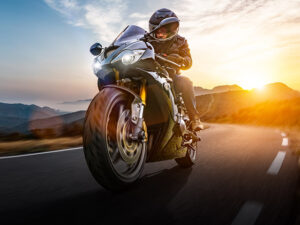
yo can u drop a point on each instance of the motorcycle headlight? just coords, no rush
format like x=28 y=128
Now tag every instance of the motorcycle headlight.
x=96 y=66
x=128 y=57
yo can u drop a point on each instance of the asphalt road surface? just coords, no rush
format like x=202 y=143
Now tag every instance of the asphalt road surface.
x=243 y=175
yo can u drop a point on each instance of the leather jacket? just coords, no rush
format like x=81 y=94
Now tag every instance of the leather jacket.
x=178 y=45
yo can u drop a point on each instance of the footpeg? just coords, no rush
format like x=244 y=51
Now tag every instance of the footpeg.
x=187 y=143
x=194 y=137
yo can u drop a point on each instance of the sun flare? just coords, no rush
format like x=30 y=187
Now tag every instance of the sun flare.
x=253 y=80
x=249 y=84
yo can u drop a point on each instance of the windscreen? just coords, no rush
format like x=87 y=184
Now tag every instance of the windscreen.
x=129 y=34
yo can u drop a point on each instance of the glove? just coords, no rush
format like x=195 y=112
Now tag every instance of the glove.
x=175 y=58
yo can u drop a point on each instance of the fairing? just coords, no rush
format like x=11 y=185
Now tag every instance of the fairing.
x=130 y=34
x=161 y=110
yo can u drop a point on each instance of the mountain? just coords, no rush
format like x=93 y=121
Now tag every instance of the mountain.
x=200 y=91
x=56 y=123
x=77 y=102
x=279 y=91
x=283 y=113
x=224 y=88
x=227 y=101
x=7 y=122
x=27 y=111
x=12 y=115
x=215 y=105
x=218 y=89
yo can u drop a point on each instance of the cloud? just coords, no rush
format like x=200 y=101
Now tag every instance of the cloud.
x=225 y=36
x=105 y=18
x=137 y=15
x=201 y=16
x=231 y=25
x=65 y=7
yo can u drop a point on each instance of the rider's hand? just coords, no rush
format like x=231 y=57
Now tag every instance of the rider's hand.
x=175 y=58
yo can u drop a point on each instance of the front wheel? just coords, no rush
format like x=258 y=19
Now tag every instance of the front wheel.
x=114 y=160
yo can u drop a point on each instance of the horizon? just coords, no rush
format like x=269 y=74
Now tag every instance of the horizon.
x=82 y=104
x=45 y=57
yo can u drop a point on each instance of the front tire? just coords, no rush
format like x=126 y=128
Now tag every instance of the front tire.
x=114 y=161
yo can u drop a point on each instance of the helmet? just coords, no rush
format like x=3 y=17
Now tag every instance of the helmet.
x=166 y=32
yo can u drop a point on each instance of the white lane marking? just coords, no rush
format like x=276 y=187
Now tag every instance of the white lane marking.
x=248 y=213
x=277 y=163
x=285 y=141
x=283 y=134
x=40 y=153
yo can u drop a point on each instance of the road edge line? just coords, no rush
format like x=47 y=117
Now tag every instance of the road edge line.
x=40 y=153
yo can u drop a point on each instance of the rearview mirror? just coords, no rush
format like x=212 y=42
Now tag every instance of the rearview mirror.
x=96 y=49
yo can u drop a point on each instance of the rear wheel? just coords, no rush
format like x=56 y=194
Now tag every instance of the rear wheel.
x=113 y=159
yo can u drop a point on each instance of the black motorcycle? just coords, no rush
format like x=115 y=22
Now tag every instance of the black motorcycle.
x=136 y=117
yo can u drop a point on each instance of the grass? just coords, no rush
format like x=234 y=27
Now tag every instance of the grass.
x=29 y=146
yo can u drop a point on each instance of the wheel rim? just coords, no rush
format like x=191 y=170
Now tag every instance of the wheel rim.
x=129 y=150
x=126 y=156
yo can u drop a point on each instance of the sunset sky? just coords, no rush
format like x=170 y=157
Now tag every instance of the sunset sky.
x=44 y=57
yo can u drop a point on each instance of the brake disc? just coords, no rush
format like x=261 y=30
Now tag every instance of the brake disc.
x=129 y=150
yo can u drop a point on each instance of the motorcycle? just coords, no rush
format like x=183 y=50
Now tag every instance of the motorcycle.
x=136 y=117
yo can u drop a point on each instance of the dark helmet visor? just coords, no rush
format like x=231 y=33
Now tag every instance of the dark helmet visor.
x=167 y=31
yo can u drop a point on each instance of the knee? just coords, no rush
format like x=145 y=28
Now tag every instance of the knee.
x=183 y=84
x=184 y=80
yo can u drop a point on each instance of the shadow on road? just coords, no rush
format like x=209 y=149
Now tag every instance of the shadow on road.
x=147 y=203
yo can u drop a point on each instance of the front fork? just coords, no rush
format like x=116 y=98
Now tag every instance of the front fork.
x=138 y=128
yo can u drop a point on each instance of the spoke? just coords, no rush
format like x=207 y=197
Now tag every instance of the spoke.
x=115 y=155
x=118 y=153
x=129 y=167
x=117 y=159
x=110 y=145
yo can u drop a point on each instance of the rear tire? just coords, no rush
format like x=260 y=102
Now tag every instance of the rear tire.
x=100 y=140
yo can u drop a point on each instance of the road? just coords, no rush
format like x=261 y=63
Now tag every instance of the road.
x=243 y=175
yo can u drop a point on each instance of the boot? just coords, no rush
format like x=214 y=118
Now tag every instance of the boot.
x=197 y=125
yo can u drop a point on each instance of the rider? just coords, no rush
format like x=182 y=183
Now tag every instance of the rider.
x=170 y=45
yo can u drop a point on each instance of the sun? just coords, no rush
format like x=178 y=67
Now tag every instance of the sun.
x=252 y=84
x=252 y=81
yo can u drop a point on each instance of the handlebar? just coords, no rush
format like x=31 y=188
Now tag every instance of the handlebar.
x=166 y=60
x=158 y=56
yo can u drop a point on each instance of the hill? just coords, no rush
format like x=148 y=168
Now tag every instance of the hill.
x=211 y=106
x=217 y=89
x=278 y=91
x=7 y=122
x=283 y=113
x=23 y=111
x=56 y=123
x=224 y=88
x=70 y=124
x=12 y=115
x=266 y=106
